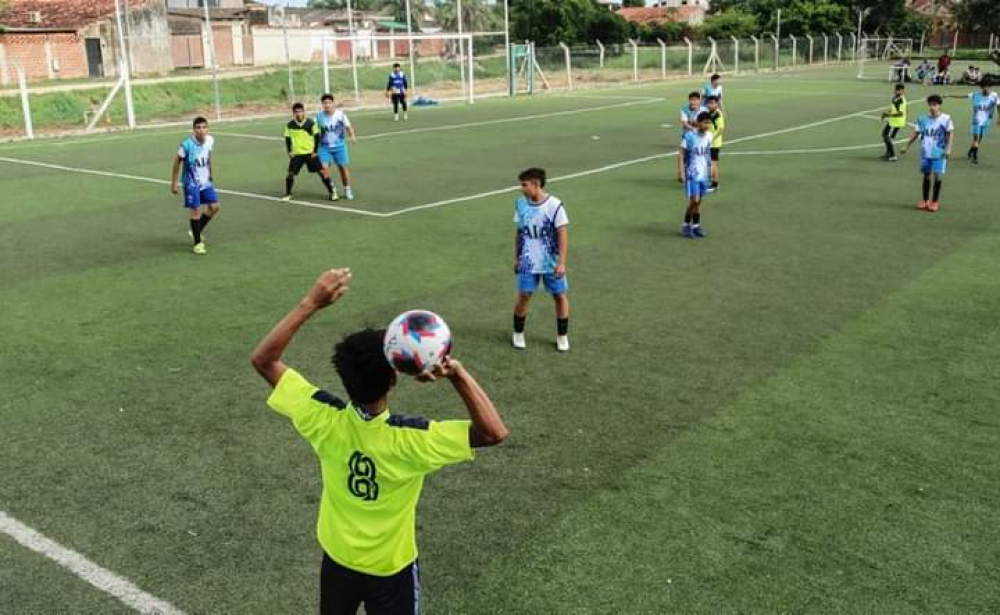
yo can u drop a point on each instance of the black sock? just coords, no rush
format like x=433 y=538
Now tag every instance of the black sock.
x=687 y=217
x=696 y=218
x=196 y=230
x=289 y=182
x=328 y=183
x=975 y=152
x=937 y=190
x=715 y=184
x=519 y=323
x=927 y=187
x=562 y=326
x=205 y=219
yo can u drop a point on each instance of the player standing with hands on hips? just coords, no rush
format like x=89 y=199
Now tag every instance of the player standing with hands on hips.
x=373 y=462
x=396 y=89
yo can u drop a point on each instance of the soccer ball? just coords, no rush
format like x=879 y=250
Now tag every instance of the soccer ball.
x=416 y=342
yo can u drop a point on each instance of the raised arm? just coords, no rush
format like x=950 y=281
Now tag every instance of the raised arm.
x=266 y=358
x=488 y=429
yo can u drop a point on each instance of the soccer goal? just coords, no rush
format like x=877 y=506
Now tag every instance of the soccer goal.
x=438 y=67
x=885 y=59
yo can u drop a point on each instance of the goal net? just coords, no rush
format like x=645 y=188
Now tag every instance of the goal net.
x=438 y=67
x=885 y=59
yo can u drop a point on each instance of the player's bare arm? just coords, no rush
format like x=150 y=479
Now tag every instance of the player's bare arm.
x=951 y=140
x=680 y=164
x=175 y=173
x=912 y=139
x=487 y=429
x=517 y=254
x=266 y=358
x=562 y=236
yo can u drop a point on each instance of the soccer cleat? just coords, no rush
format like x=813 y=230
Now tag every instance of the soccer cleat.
x=933 y=206
x=697 y=232
x=349 y=194
x=395 y=118
x=686 y=231
x=334 y=196
x=922 y=205
x=975 y=160
x=199 y=248
x=287 y=197
x=892 y=159
x=562 y=343
x=517 y=340
x=406 y=116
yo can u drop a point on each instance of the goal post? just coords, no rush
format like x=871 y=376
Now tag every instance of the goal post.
x=447 y=66
x=878 y=58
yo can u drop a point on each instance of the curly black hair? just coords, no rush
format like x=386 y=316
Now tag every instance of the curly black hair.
x=361 y=364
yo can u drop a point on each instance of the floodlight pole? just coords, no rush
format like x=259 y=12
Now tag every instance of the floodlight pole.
x=354 y=54
x=126 y=78
x=409 y=33
x=288 y=51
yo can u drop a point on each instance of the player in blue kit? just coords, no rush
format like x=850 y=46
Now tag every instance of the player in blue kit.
x=936 y=132
x=195 y=157
x=334 y=130
x=396 y=89
x=689 y=120
x=696 y=160
x=541 y=244
x=984 y=111
x=713 y=89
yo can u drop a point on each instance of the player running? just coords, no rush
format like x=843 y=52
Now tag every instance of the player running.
x=396 y=89
x=718 y=129
x=541 y=245
x=195 y=156
x=713 y=89
x=984 y=109
x=302 y=143
x=335 y=129
x=696 y=157
x=895 y=119
x=936 y=132
x=373 y=462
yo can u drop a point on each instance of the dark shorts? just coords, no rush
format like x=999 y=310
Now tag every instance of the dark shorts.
x=343 y=590
x=296 y=163
x=714 y=153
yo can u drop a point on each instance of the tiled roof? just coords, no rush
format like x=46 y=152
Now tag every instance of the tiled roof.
x=662 y=14
x=59 y=14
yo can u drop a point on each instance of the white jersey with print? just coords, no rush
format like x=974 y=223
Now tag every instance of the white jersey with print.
x=710 y=91
x=690 y=115
x=934 y=135
x=333 y=128
x=984 y=107
x=197 y=159
x=537 y=241
x=697 y=156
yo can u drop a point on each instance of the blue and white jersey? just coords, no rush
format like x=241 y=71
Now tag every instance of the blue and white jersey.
x=984 y=107
x=690 y=115
x=537 y=243
x=197 y=159
x=333 y=129
x=710 y=91
x=697 y=156
x=397 y=82
x=934 y=135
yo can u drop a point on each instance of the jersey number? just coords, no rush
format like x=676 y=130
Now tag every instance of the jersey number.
x=361 y=482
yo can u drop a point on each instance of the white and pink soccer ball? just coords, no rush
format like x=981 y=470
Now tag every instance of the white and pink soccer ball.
x=417 y=342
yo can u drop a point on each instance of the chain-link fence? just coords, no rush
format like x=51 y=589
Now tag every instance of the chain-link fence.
x=236 y=73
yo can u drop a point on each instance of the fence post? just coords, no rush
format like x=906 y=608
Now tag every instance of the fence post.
x=600 y=46
x=756 y=52
x=690 y=56
x=954 y=45
x=777 y=50
x=840 y=47
x=923 y=35
x=795 y=50
x=826 y=49
x=326 y=65
x=22 y=83
x=854 y=47
x=569 y=65
x=472 y=72
x=736 y=54
x=663 y=58
x=810 y=39
x=635 y=59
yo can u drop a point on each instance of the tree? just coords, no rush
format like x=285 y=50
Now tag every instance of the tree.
x=736 y=23
x=633 y=3
x=978 y=15
x=550 y=22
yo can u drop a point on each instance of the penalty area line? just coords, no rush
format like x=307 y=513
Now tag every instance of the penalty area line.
x=101 y=578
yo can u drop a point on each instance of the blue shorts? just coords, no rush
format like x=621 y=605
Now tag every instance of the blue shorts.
x=934 y=165
x=195 y=197
x=527 y=283
x=980 y=130
x=334 y=155
x=696 y=189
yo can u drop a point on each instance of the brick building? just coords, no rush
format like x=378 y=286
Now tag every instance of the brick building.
x=72 y=39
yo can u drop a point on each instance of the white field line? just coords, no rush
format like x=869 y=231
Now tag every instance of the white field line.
x=617 y=165
x=820 y=150
x=610 y=97
x=880 y=119
x=448 y=127
x=436 y=204
x=154 y=180
x=101 y=578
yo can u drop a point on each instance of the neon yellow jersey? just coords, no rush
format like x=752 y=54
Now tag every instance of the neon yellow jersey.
x=373 y=471
x=718 y=128
x=897 y=112
x=303 y=136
